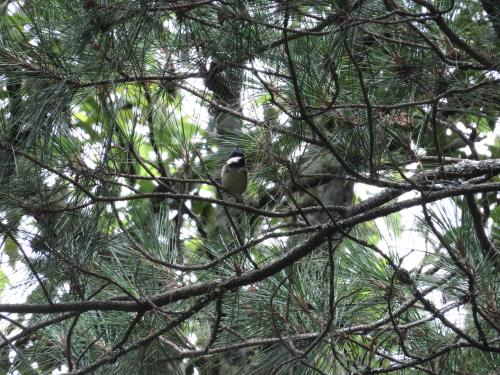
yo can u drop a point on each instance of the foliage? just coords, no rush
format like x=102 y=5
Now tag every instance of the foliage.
x=367 y=241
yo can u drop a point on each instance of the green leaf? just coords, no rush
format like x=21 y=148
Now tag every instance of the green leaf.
x=4 y=281
x=10 y=248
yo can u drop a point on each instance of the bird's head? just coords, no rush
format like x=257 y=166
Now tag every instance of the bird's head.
x=237 y=158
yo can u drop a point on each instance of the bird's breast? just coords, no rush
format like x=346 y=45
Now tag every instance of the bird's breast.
x=234 y=179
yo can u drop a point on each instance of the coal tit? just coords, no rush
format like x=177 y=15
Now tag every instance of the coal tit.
x=234 y=173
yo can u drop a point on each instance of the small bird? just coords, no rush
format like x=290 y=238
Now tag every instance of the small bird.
x=235 y=174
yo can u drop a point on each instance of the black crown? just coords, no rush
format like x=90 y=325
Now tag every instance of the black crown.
x=237 y=152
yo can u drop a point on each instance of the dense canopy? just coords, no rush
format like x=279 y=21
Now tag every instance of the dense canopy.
x=367 y=241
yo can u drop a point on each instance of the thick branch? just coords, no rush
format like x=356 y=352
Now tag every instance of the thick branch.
x=247 y=278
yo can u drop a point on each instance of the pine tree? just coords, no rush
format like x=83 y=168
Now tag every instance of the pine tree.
x=367 y=241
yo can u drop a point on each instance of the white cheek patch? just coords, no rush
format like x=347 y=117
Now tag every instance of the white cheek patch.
x=234 y=160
